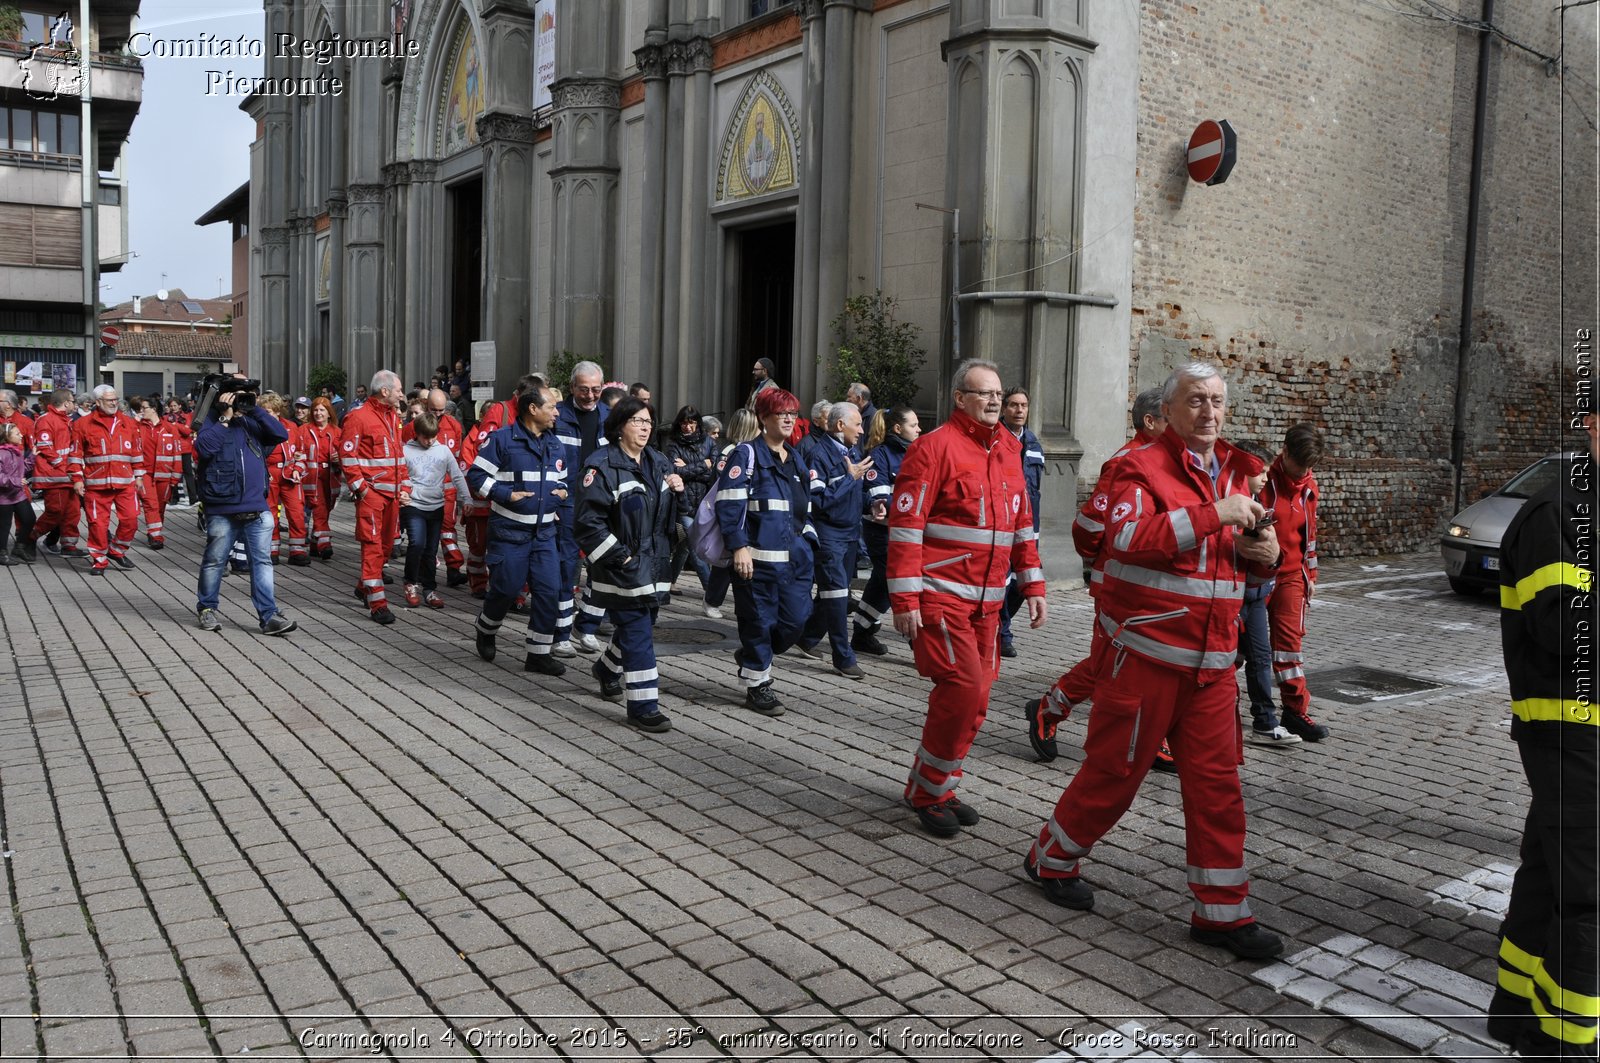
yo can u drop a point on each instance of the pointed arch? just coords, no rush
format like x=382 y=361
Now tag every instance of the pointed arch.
x=437 y=23
x=759 y=145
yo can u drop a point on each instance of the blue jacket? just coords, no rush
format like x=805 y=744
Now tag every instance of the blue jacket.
x=625 y=513
x=886 y=458
x=232 y=461
x=837 y=496
x=1032 y=469
x=514 y=459
x=763 y=504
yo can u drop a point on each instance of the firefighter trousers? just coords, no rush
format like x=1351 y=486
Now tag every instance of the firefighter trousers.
x=1137 y=703
x=959 y=650
x=377 y=517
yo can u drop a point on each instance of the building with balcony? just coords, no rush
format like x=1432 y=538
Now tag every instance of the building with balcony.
x=169 y=341
x=63 y=216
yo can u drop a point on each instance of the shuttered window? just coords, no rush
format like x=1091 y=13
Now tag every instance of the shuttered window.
x=40 y=236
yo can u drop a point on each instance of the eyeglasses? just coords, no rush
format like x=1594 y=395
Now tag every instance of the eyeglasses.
x=643 y=422
x=578 y=390
x=986 y=396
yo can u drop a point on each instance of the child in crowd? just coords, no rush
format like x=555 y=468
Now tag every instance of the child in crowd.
x=430 y=465
x=1255 y=633
x=15 y=502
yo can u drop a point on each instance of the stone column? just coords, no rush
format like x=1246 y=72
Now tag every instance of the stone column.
x=808 y=253
x=399 y=347
x=652 y=64
x=274 y=163
x=1015 y=101
x=684 y=375
x=507 y=239
x=363 y=344
x=585 y=171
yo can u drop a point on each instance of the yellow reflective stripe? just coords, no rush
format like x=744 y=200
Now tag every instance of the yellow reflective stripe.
x=1508 y=598
x=1524 y=961
x=1568 y=1000
x=1560 y=574
x=1519 y=985
x=1554 y=710
x=1567 y=1032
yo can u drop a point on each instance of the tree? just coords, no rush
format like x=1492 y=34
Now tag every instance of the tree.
x=326 y=375
x=558 y=370
x=11 y=24
x=877 y=349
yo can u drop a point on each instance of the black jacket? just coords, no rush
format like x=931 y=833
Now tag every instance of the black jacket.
x=625 y=512
x=698 y=476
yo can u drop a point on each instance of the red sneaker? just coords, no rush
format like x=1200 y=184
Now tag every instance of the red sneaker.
x=435 y=599
x=413 y=596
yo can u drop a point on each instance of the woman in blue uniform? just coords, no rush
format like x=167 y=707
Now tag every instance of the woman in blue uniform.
x=763 y=507
x=625 y=512
x=901 y=428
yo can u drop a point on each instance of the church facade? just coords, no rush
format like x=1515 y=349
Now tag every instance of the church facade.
x=677 y=187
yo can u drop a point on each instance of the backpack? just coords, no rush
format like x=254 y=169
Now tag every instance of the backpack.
x=705 y=534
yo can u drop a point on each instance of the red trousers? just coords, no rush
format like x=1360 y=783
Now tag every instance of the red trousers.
x=154 y=503
x=101 y=505
x=1286 y=615
x=477 y=546
x=447 y=533
x=960 y=652
x=289 y=496
x=377 y=518
x=1137 y=704
x=62 y=512
x=327 y=494
x=1076 y=686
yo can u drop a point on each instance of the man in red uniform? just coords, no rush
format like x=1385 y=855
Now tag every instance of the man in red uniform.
x=286 y=472
x=451 y=437
x=163 y=465
x=52 y=474
x=1169 y=607
x=959 y=524
x=1045 y=714
x=1291 y=494
x=106 y=472
x=375 y=471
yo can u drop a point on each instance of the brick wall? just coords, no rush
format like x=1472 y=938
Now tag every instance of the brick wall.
x=1325 y=275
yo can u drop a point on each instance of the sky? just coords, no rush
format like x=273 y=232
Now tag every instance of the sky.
x=186 y=152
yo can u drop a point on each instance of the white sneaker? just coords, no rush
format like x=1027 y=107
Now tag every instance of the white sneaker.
x=588 y=644
x=1278 y=736
x=713 y=612
x=564 y=649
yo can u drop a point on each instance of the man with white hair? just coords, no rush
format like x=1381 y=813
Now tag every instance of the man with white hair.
x=837 y=480
x=1175 y=570
x=580 y=421
x=374 y=465
x=107 y=470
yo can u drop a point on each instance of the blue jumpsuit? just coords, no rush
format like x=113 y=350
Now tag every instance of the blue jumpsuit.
x=836 y=514
x=765 y=504
x=1033 y=475
x=886 y=459
x=523 y=534
x=588 y=616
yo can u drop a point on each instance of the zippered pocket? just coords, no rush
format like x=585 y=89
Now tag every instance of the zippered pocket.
x=949 y=647
x=946 y=561
x=1133 y=739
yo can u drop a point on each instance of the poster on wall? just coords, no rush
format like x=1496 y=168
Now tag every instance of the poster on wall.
x=11 y=372
x=544 y=51
x=27 y=378
x=64 y=377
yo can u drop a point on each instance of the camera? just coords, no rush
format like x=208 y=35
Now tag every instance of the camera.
x=1266 y=521
x=212 y=385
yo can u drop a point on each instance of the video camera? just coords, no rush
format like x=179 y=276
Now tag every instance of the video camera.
x=212 y=385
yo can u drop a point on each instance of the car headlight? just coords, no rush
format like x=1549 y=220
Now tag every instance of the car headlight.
x=1460 y=531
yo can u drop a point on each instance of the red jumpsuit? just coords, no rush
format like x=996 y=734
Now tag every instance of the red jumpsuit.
x=109 y=463
x=1295 y=503
x=321 y=484
x=163 y=462
x=477 y=516
x=375 y=471
x=452 y=438
x=183 y=422
x=52 y=474
x=959 y=523
x=1169 y=609
x=286 y=468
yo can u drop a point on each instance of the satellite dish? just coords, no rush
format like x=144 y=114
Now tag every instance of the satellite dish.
x=162 y=295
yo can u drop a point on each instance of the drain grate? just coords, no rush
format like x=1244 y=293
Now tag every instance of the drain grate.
x=1358 y=685
x=675 y=637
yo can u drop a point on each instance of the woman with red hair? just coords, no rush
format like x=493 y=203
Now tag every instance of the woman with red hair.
x=763 y=507
x=322 y=472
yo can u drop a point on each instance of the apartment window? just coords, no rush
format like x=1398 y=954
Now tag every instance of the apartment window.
x=50 y=132
x=111 y=195
x=757 y=8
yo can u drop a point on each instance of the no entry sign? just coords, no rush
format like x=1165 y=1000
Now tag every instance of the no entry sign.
x=110 y=335
x=1211 y=151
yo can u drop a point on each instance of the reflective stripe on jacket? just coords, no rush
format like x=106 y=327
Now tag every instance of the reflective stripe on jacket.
x=370 y=453
x=1294 y=502
x=109 y=452
x=53 y=449
x=624 y=511
x=513 y=459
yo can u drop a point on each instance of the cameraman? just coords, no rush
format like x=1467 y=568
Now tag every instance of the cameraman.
x=231 y=450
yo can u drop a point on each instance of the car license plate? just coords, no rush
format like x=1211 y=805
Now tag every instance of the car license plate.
x=1491 y=564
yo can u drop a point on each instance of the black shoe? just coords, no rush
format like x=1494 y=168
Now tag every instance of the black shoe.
x=1071 y=892
x=810 y=651
x=1044 y=745
x=387 y=578
x=1248 y=942
x=1007 y=649
x=763 y=700
x=966 y=815
x=53 y=549
x=97 y=570
x=278 y=625
x=326 y=553
x=277 y=560
x=655 y=723
x=28 y=551
x=74 y=551
x=455 y=578
x=300 y=560
x=1164 y=761
x=485 y=645
x=8 y=560
x=850 y=671
x=382 y=615
x=1304 y=726
x=939 y=820
x=157 y=544
x=867 y=642
x=480 y=595
x=123 y=562
x=610 y=687
x=544 y=664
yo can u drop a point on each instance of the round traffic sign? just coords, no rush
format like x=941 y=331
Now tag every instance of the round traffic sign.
x=110 y=335
x=1212 y=147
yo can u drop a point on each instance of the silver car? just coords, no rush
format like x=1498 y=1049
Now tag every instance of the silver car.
x=1471 y=545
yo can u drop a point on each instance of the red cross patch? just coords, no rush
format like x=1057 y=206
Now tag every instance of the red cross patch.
x=588 y=478
x=734 y=473
x=903 y=503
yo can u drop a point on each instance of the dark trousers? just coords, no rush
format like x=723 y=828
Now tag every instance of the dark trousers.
x=875 y=595
x=422 y=544
x=517 y=559
x=22 y=513
x=1255 y=643
x=830 y=616
x=190 y=495
x=772 y=607
x=631 y=659
x=1549 y=944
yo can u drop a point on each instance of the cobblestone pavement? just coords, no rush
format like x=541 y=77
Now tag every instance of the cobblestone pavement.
x=363 y=842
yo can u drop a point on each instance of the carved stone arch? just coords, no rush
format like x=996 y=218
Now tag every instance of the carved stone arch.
x=437 y=23
x=756 y=160
x=1021 y=57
